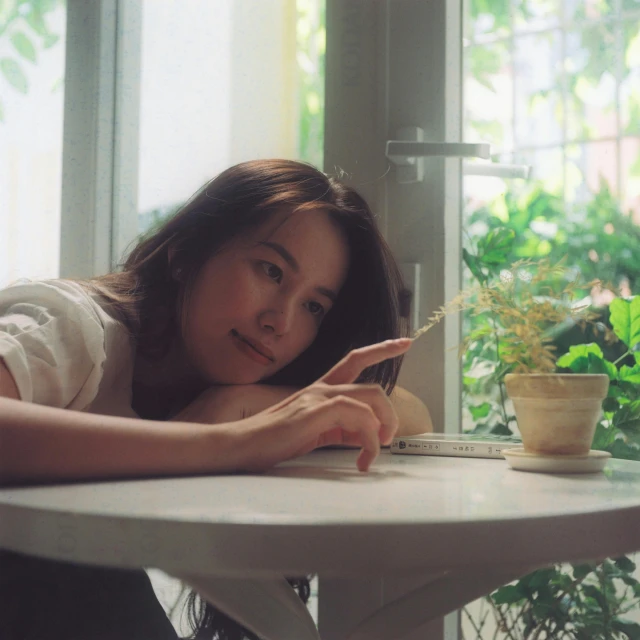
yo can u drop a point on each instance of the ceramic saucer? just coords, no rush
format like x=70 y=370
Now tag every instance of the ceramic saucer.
x=519 y=459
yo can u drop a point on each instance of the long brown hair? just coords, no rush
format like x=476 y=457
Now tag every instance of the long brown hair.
x=150 y=298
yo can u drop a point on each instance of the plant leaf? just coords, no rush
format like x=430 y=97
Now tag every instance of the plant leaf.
x=625 y=319
x=14 y=75
x=474 y=265
x=494 y=248
x=623 y=451
x=630 y=374
x=581 y=571
x=480 y=411
x=627 y=419
x=577 y=359
x=625 y=564
x=629 y=628
x=24 y=46
x=600 y=365
x=510 y=594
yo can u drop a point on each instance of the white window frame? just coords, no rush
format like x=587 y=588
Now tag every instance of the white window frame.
x=100 y=140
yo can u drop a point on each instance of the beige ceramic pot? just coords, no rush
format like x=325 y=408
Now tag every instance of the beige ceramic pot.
x=557 y=413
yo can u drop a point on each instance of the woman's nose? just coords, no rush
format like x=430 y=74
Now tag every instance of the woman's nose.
x=277 y=320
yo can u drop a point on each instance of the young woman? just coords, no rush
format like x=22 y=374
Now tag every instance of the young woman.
x=258 y=323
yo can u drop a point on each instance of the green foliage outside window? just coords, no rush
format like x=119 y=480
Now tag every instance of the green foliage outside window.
x=24 y=24
x=580 y=87
x=310 y=53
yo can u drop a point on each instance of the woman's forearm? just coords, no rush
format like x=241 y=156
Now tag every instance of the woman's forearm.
x=43 y=444
x=226 y=404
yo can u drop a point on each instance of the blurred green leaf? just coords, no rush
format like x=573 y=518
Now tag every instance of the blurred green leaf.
x=14 y=75
x=480 y=411
x=630 y=629
x=49 y=40
x=625 y=564
x=24 y=46
x=627 y=419
x=474 y=266
x=510 y=594
x=581 y=571
x=494 y=248
x=35 y=19
x=610 y=404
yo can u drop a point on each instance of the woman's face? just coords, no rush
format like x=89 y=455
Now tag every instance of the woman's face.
x=258 y=303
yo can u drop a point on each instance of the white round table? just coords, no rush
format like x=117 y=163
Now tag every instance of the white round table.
x=457 y=527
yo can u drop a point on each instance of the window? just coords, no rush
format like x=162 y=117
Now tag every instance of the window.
x=32 y=59
x=554 y=85
x=249 y=85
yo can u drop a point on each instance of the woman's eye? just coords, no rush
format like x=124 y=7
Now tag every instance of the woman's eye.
x=272 y=271
x=316 y=308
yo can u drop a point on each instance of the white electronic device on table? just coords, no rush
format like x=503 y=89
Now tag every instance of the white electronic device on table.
x=465 y=445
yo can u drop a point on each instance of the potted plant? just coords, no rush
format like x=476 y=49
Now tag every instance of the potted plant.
x=524 y=307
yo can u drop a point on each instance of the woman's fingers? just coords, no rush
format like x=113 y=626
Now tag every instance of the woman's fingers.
x=355 y=362
x=376 y=398
x=353 y=416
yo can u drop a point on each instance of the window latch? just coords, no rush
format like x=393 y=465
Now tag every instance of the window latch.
x=410 y=149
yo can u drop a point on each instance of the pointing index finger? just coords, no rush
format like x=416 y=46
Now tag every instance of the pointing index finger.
x=355 y=362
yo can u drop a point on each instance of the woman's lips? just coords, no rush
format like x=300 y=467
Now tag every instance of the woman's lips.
x=253 y=349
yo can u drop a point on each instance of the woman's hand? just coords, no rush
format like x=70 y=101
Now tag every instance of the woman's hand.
x=333 y=410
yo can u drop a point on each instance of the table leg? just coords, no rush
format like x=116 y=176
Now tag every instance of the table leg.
x=358 y=609
x=269 y=607
x=343 y=603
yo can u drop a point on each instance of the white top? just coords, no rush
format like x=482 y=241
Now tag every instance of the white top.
x=64 y=350
x=319 y=514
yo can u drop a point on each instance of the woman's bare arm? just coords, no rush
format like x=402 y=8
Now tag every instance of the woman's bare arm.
x=225 y=404
x=45 y=444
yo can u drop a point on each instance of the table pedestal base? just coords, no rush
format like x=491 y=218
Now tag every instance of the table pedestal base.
x=382 y=608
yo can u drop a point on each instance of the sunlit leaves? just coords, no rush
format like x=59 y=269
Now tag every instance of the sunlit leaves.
x=587 y=358
x=625 y=318
x=14 y=74
x=24 y=46
x=495 y=247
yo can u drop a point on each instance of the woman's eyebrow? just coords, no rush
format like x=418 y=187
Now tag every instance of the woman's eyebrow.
x=293 y=263
x=284 y=254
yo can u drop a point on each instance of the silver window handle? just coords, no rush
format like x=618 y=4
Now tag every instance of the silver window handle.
x=407 y=152
x=497 y=170
x=409 y=149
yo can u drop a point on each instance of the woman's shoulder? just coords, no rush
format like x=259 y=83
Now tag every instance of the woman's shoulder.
x=68 y=298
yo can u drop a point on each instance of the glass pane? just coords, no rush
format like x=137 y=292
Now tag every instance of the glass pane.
x=533 y=15
x=483 y=18
x=248 y=85
x=630 y=175
x=546 y=168
x=630 y=85
x=488 y=95
x=590 y=65
x=587 y=168
x=32 y=54
x=537 y=69
x=577 y=10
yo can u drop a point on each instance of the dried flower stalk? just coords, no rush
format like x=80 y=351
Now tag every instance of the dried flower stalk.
x=523 y=321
